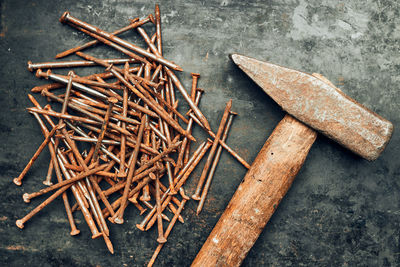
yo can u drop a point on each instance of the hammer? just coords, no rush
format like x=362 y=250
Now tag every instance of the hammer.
x=314 y=104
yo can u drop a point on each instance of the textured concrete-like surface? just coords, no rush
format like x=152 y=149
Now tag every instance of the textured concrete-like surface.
x=341 y=209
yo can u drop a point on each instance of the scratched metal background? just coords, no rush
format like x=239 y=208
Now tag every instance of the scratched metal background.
x=341 y=210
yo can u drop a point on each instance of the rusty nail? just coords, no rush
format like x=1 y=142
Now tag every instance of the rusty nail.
x=20 y=223
x=158 y=28
x=75 y=63
x=167 y=232
x=196 y=195
x=148 y=204
x=133 y=24
x=223 y=144
x=195 y=77
x=47 y=181
x=66 y=17
x=185 y=95
x=214 y=165
x=18 y=180
x=161 y=239
x=111 y=102
x=118 y=217
x=185 y=142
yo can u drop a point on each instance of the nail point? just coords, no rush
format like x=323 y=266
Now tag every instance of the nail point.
x=151 y=17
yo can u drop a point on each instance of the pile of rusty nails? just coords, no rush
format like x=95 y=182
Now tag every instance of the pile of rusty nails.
x=132 y=127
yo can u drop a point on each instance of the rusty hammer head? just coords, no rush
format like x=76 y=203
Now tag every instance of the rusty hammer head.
x=315 y=101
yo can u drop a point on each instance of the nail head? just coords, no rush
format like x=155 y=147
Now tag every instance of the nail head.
x=63 y=18
x=26 y=198
x=19 y=224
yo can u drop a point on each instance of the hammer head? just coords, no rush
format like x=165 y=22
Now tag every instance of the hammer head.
x=318 y=103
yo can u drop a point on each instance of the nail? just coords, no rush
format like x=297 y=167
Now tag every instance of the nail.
x=133 y=25
x=120 y=213
x=172 y=94
x=148 y=204
x=192 y=166
x=104 y=75
x=164 y=204
x=66 y=17
x=214 y=166
x=185 y=140
x=166 y=234
x=123 y=125
x=103 y=149
x=130 y=142
x=163 y=114
x=158 y=28
x=49 y=75
x=111 y=102
x=174 y=199
x=95 y=117
x=47 y=181
x=20 y=223
x=158 y=133
x=161 y=239
x=196 y=195
x=223 y=144
x=27 y=197
x=140 y=208
x=75 y=63
x=185 y=95
x=195 y=77
x=18 y=180
x=90 y=140
x=110 y=43
x=82 y=80
x=92 y=199
x=149 y=216
x=63 y=116
x=74 y=230
x=145 y=195
x=146 y=38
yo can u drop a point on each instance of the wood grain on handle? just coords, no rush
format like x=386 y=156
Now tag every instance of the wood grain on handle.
x=259 y=194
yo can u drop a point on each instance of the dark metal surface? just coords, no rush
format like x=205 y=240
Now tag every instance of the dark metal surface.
x=341 y=209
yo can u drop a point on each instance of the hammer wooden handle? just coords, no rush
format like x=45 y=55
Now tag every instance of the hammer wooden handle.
x=259 y=194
